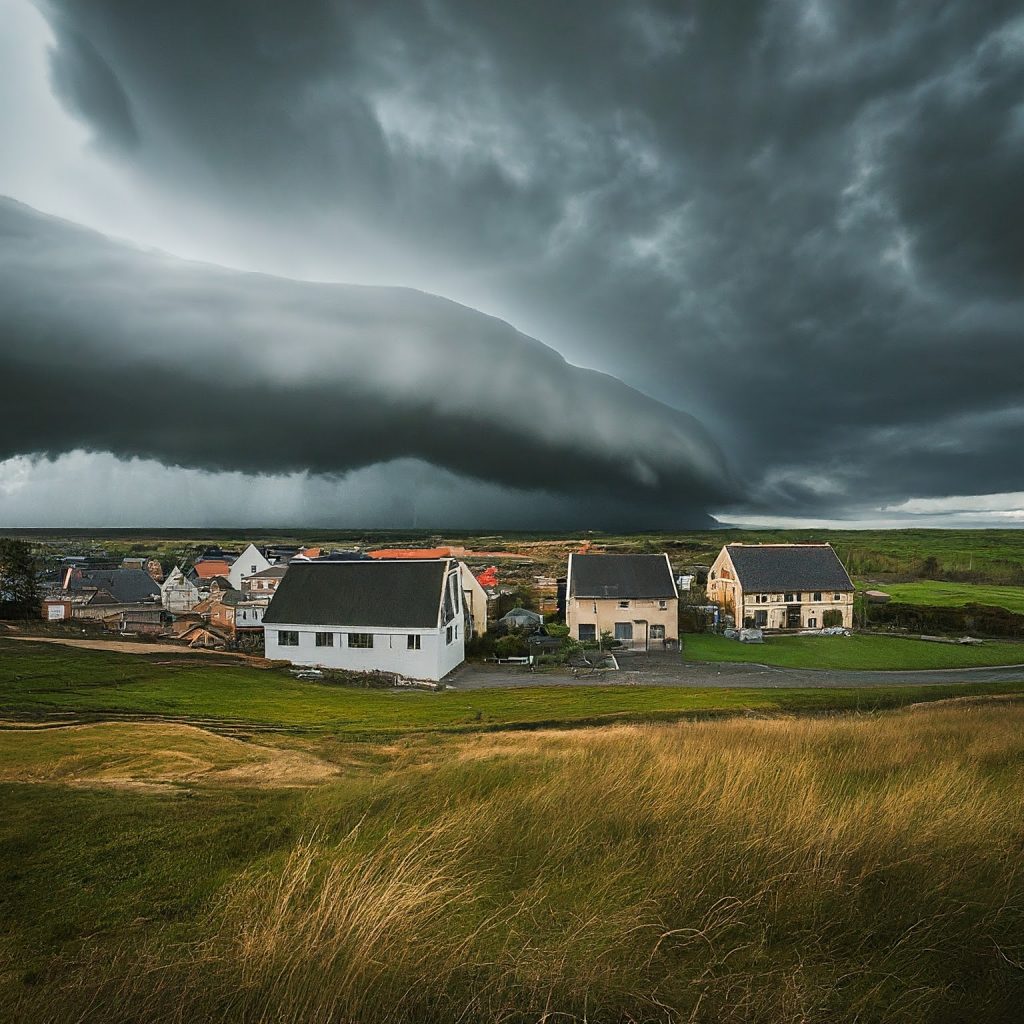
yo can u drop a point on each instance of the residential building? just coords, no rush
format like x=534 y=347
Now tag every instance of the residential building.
x=632 y=597
x=401 y=616
x=248 y=563
x=782 y=586
x=179 y=593
x=474 y=597
x=264 y=583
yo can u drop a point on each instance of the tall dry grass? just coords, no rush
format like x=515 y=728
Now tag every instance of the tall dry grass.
x=856 y=869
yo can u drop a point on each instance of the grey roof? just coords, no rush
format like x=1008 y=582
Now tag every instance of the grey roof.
x=522 y=613
x=274 y=570
x=793 y=567
x=626 y=577
x=126 y=586
x=364 y=593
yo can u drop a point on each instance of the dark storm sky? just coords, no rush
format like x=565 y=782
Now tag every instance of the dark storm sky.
x=787 y=236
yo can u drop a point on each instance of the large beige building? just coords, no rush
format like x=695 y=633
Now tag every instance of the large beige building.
x=632 y=597
x=782 y=586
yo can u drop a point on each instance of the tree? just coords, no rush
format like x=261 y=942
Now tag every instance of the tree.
x=19 y=593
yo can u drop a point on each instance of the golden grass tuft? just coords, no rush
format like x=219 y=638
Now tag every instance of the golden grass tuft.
x=859 y=868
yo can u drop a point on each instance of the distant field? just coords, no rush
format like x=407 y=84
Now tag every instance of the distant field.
x=953 y=595
x=865 y=869
x=851 y=652
x=47 y=679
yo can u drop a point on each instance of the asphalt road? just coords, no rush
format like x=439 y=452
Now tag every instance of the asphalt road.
x=658 y=670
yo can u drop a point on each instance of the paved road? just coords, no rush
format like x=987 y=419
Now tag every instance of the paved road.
x=656 y=670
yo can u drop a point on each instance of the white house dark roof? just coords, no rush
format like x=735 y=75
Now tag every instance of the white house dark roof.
x=364 y=593
x=794 y=567
x=626 y=577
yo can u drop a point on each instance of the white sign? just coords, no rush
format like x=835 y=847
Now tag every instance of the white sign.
x=54 y=611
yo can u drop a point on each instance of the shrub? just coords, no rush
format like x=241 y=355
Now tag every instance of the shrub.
x=832 y=617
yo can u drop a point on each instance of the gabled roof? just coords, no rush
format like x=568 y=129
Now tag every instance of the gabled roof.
x=207 y=568
x=126 y=586
x=625 y=577
x=792 y=567
x=271 y=573
x=361 y=593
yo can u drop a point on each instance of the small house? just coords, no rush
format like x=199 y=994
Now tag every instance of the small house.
x=400 y=616
x=248 y=563
x=632 y=597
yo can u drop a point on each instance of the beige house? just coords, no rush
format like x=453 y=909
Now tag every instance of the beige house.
x=782 y=586
x=632 y=597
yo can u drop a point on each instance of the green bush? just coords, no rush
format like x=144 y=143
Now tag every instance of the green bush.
x=832 y=617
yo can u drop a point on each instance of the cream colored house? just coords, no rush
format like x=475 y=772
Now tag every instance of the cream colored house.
x=632 y=597
x=781 y=586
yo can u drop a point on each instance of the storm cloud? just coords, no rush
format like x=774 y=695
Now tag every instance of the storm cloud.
x=110 y=348
x=796 y=221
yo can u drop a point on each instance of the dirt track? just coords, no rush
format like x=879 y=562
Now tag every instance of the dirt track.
x=127 y=646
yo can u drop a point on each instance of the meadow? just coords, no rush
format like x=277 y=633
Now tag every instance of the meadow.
x=868 y=868
x=955 y=595
x=859 y=651
x=41 y=680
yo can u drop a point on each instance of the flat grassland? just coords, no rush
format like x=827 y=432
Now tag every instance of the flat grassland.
x=859 y=651
x=38 y=680
x=866 y=867
x=955 y=595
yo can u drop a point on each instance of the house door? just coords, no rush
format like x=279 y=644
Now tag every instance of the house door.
x=657 y=634
x=792 y=616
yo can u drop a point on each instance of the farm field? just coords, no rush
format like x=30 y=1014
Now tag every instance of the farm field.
x=612 y=874
x=46 y=680
x=954 y=595
x=859 y=651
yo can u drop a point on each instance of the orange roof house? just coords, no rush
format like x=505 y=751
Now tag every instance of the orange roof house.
x=412 y=553
x=207 y=568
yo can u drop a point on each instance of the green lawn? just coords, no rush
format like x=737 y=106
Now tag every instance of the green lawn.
x=954 y=595
x=851 y=652
x=46 y=678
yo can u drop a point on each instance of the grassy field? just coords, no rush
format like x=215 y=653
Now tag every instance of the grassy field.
x=851 y=652
x=868 y=868
x=45 y=679
x=955 y=595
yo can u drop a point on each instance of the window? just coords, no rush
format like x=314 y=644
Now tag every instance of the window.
x=663 y=605
x=456 y=631
x=412 y=642
x=812 y=623
x=793 y=598
x=760 y=618
x=360 y=640
x=448 y=635
x=588 y=631
x=714 y=575
x=760 y=599
x=817 y=595
x=623 y=604
x=657 y=632
x=325 y=639
x=287 y=638
x=623 y=630
x=837 y=597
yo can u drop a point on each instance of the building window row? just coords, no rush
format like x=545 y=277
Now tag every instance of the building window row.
x=358 y=641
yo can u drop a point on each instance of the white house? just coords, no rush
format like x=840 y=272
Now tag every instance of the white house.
x=248 y=563
x=178 y=593
x=397 y=616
